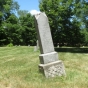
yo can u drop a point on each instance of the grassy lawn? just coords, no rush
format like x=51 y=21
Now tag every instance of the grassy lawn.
x=19 y=69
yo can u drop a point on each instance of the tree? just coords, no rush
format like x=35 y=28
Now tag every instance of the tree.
x=82 y=16
x=28 y=32
x=18 y=30
x=62 y=21
x=7 y=19
x=8 y=7
x=12 y=29
x=22 y=13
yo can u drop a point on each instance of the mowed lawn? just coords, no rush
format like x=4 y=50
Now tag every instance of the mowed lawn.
x=19 y=69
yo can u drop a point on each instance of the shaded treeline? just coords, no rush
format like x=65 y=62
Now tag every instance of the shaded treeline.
x=67 y=18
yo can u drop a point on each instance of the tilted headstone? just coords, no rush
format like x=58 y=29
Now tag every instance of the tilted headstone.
x=50 y=65
x=37 y=46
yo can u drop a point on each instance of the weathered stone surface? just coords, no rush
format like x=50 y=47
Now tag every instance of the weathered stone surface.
x=49 y=57
x=44 y=34
x=52 y=69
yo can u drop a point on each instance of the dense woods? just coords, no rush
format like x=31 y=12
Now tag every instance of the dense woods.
x=68 y=21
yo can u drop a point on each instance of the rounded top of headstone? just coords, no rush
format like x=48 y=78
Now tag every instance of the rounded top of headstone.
x=39 y=14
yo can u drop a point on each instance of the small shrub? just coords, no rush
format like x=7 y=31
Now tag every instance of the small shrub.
x=10 y=45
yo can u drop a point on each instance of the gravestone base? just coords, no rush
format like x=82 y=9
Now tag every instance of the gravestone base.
x=52 y=69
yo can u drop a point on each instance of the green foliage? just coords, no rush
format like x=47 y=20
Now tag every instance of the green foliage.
x=8 y=21
x=22 y=13
x=68 y=21
x=28 y=29
x=10 y=45
x=18 y=31
x=85 y=32
x=63 y=20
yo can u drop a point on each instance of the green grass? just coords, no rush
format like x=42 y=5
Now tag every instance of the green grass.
x=19 y=69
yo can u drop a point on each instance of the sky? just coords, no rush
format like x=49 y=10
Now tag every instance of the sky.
x=31 y=6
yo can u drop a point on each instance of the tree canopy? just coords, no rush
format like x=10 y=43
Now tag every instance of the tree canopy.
x=16 y=29
x=65 y=20
x=68 y=21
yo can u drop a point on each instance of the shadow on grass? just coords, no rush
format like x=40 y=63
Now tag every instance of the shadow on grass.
x=72 y=50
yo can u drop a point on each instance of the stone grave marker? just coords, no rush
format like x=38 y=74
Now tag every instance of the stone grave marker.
x=50 y=65
x=37 y=46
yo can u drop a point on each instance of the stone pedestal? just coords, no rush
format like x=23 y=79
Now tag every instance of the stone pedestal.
x=52 y=69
